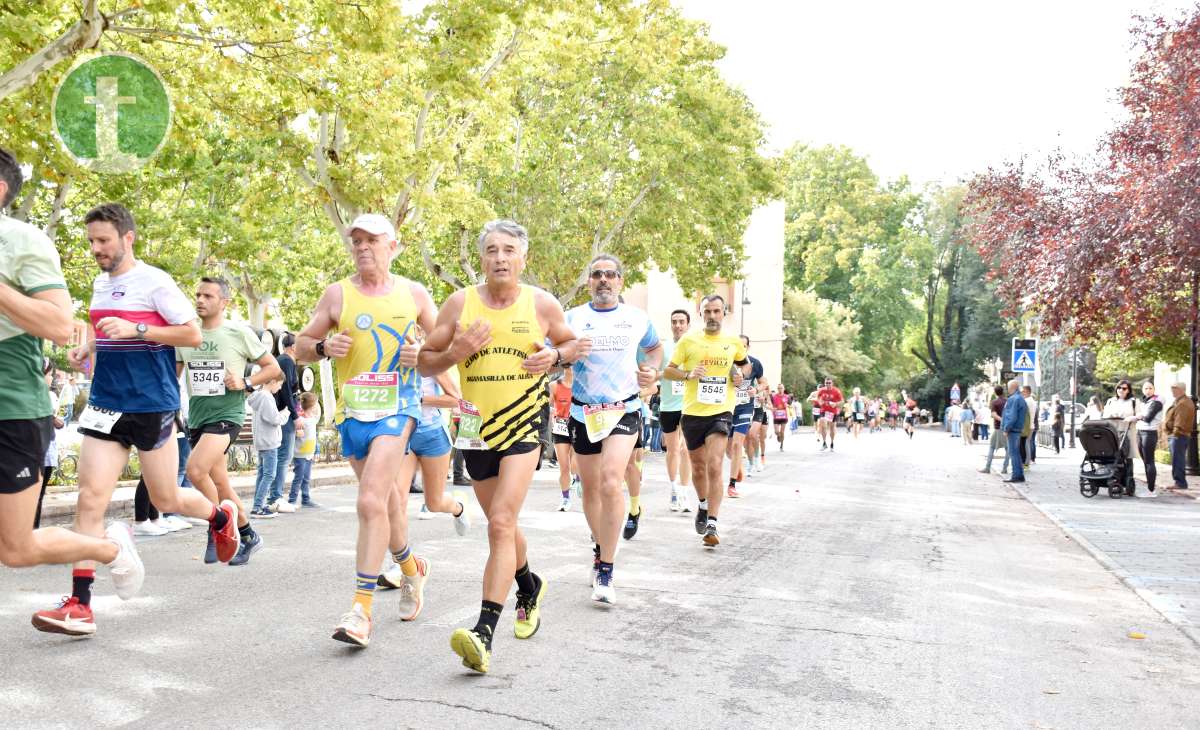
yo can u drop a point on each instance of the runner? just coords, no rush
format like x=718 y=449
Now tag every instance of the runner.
x=138 y=316
x=829 y=399
x=858 y=411
x=910 y=413
x=779 y=412
x=705 y=362
x=757 y=438
x=679 y=467
x=494 y=332
x=633 y=469
x=743 y=414
x=375 y=317
x=217 y=391
x=818 y=422
x=561 y=435
x=35 y=305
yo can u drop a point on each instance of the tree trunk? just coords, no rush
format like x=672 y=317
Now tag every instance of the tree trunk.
x=81 y=36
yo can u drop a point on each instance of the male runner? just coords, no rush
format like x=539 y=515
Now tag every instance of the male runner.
x=911 y=414
x=705 y=361
x=757 y=438
x=372 y=315
x=34 y=304
x=780 y=401
x=560 y=433
x=679 y=467
x=138 y=317
x=829 y=399
x=494 y=333
x=217 y=390
x=743 y=414
x=606 y=420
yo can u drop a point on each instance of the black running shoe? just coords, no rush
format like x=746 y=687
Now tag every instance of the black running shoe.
x=631 y=525
x=210 y=552
x=701 y=520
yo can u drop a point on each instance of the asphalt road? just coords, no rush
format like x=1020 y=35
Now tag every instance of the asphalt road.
x=886 y=585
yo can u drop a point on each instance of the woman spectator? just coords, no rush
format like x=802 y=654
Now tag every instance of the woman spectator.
x=1148 y=421
x=1093 y=410
x=1123 y=406
x=966 y=419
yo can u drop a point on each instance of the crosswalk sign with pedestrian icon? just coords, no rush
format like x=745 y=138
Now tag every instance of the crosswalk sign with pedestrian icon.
x=1024 y=355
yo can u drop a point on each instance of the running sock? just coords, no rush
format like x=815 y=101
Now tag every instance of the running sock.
x=81 y=585
x=712 y=520
x=635 y=505
x=489 y=616
x=406 y=560
x=364 y=590
x=218 y=519
x=566 y=493
x=704 y=504
x=247 y=533
x=732 y=482
x=527 y=582
x=605 y=568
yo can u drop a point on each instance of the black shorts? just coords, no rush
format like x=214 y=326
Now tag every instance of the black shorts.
x=220 y=428
x=145 y=431
x=697 y=429
x=484 y=464
x=760 y=416
x=629 y=425
x=23 y=444
x=558 y=438
x=669 y=420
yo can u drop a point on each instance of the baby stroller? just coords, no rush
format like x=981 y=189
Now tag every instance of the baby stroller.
x=1105 y=463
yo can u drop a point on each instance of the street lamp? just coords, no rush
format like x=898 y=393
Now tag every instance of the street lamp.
x=745 y=303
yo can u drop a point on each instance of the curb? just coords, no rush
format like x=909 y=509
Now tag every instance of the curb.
x=1172 y=615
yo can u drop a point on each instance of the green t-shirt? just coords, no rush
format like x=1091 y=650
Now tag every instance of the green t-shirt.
x=28 y=263
x=231 y=347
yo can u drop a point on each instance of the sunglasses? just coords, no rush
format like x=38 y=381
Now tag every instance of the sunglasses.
x=605 y=274
x=1123 y=387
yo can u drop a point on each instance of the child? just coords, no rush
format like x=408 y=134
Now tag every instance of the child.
x=268 y=434
x=306 y=447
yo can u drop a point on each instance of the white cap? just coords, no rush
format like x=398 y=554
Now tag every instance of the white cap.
x=374 y=224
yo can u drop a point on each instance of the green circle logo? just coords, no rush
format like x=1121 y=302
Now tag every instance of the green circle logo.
x=112 y=113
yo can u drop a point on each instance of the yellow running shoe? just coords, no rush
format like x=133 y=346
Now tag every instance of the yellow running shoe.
x=467 y=644
x=529 y=614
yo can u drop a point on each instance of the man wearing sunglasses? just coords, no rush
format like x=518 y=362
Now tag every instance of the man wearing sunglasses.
x=606 y=408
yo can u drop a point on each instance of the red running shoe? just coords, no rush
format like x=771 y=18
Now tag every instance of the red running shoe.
x=227 y=538
x=71 y=618
x=732 y=492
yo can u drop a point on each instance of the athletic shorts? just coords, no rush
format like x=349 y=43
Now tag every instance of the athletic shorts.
x=145 y=431
x=742 y=418
x=559 y=438
x=760 y=415
x=669 y=420
x=483 y=464
x=357 y=435
x=696 y=429
x=629 y=425
x=220 y=428
x=429 y=439
x=23 y=444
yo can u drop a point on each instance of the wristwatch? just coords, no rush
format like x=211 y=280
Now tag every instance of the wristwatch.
x=246 y=384
x=558 y=359
x=320 y=348
x=141 y=330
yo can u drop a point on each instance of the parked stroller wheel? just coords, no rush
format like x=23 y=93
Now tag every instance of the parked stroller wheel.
x=1086 y=488
x=1114 y=491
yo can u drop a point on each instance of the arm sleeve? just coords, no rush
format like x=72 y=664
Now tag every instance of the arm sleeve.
x=38 y=267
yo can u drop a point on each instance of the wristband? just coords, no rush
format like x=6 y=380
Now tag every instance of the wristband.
x=320 y=348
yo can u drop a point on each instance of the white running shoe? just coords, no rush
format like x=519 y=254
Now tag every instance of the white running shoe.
x=148 y=529
x=175 y=523
x=424 y=514
x=283 y=506
x=758 y=468
x=412 y=591
x=564 y=504
x=462 y=521
x=127 y=569
x=603 y=591
x=675 y=501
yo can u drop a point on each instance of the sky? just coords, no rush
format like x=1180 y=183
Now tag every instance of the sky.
x=932 y=89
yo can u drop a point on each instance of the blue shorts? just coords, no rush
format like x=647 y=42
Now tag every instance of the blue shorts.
x=430 y=439
x=357 y=435
x=742 y=418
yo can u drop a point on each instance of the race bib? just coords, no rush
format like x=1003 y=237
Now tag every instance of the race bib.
x=600 y=419
x=676 y=387
x=470 y=423
x=742 y=395
x=559 y=427
x=827 y=416
x=711 y=390
x=206 y=377
x=100 y=420
x=858 y=416
x=780 y=414
x=372 y=396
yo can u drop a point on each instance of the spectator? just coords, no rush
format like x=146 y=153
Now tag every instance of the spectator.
x=1123 y=406
x=655 y=427
x=268 y=432
x=1179 y=424
x=998 y=438
x=1058 y=419
x=306 y=448
x=966 y=420
x=1093 y=410
x=285 y=399
x=1014 y=420
x=67 y=399
x=1031 y=442
x=1147 y=433
x=983 y=418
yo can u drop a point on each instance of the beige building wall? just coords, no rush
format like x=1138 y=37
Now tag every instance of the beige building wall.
x=761 y=320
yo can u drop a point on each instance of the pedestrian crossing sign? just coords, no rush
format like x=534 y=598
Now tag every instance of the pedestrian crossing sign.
x=1024 y=355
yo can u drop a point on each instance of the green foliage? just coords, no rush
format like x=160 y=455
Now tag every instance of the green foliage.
x=820 y=341
x=1135 y=360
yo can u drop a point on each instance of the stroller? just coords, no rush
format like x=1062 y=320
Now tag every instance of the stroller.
x=1105 y=463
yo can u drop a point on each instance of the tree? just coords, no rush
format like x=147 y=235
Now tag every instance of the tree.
x=847 y=240
x=819 y=342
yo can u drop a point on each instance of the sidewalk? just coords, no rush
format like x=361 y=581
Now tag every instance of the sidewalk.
x=59 y=507
x=1150 y=544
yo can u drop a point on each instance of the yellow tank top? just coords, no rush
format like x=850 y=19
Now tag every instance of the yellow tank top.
x=378 y=385
x=508 y=398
